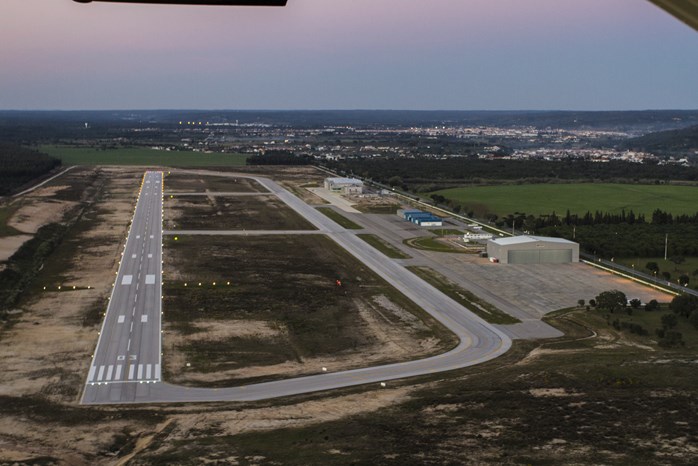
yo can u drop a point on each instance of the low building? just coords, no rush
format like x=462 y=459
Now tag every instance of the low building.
x=423 y=219
x=533 y=250
x=344 y=185
x=468 y=236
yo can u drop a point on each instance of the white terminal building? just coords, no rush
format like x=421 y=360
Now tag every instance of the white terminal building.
x=344 y=185
x=533 y=250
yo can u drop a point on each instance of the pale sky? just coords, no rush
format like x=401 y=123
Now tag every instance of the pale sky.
x=348 y=54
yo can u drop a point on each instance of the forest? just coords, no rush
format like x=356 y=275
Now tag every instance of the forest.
x=19 y=166
x=426 y=175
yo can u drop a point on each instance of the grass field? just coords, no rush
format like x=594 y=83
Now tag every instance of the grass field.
x=429 y=243
x=688 y=267
x=141 y=156
x=276 y=300
x=339 y=218
x=263 y=212
x=187 y=183
x=384 y=247
x=578 y=198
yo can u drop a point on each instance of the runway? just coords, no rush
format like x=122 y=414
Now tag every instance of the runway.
x=127 y=360
x=479 y=340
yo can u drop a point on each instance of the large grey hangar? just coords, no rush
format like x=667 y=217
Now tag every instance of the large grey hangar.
x=533 y=250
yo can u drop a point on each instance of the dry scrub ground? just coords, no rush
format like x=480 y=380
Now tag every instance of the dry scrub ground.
x=46 y=348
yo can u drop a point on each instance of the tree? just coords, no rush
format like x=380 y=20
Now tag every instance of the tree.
x=693 y=318
x=677 y=260
x=671 y=338
x=683 y=280
x=652 y=267
x=635 y=303
x=611 y=300
x=666 y=275
x=684 y=304
x=395 y=181
x=592 y=302
x=581 y=303
x=669 y=321
x=653 y=305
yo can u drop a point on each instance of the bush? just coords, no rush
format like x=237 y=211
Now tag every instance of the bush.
x=669 y=321
x=671 y=339
x=652 y=305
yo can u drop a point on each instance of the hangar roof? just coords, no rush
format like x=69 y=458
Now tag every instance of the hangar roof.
x=530 y=239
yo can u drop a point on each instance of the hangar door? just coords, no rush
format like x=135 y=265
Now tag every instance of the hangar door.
x=540 y=256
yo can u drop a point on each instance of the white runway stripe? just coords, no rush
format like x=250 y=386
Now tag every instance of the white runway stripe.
x=117 y=376
x=110 y=369
x=157 y=371
x=147 y=371
x=100 y=374
x=127 y=279
x=91 y=375
x=140 y=371
x=130 y=371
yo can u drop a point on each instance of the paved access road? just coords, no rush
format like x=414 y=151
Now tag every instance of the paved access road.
x=127 y=361
x=479 y=341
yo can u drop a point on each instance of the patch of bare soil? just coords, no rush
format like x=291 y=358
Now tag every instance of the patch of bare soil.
x=552 y=392
x=36 y=213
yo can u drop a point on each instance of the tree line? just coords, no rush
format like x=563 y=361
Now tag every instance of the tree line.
x=422 y=174
x=19 y=166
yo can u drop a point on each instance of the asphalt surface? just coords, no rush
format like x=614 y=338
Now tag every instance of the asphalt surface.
x=479 y=340
x=127 y=360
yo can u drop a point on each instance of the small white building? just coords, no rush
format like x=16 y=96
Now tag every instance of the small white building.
x=468 y=236
x=344 y=185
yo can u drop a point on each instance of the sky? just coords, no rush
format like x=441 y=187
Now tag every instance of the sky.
x=347 y=54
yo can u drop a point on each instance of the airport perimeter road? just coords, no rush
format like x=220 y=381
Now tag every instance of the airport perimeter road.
x=127 y=363
x=479 y=341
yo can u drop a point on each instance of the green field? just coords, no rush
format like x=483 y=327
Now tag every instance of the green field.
x=141 y=156
x=689 y=267
x=535 y=199
x=339 y=218
x=384 y=247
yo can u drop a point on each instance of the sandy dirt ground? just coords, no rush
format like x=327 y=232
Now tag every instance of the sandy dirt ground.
x=37 y=212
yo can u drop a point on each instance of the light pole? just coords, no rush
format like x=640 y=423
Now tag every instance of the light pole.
x=666 y=245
